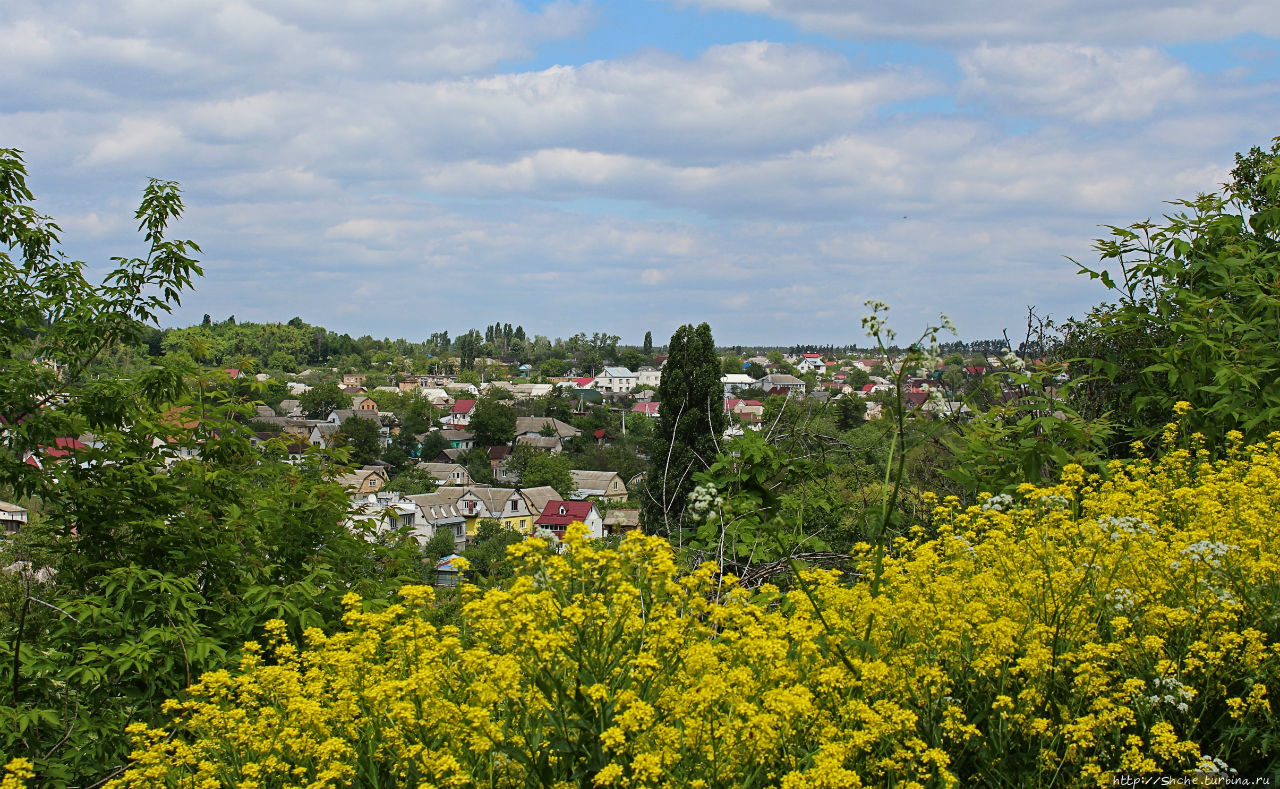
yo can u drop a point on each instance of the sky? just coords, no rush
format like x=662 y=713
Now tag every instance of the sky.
x=403 y=167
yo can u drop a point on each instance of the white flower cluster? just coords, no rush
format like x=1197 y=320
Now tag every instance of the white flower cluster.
x=1122 y=599
x=1208 y=551
x=1125 y=525
x=702 y=500
x=1012 y=361
x=937 y=401
x=1055 y=502
x=999 y=502
x=874 y=323
x=1178 y=698
x=1212 y=765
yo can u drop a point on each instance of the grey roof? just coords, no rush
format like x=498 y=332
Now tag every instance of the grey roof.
x=7 y=506
x=588 y=482
x=287 y=407
x=539 y=442
x=457 y=435
x=629 y=519
x=264 y=410
x=441 y=504
x=617 y=372
x=532 y=425
x=538 y=497
x=494 y=499
x=781 y=378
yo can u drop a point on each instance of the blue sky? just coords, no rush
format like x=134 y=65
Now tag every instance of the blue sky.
x=404 y=167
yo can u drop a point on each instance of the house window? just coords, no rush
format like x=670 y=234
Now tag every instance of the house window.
x=562 y=512
x=513 y=506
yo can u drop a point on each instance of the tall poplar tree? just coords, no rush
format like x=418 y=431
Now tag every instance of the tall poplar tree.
x=648 y=343
x=687 y=436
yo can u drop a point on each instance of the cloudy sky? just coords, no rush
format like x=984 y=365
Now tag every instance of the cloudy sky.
x=401 y=167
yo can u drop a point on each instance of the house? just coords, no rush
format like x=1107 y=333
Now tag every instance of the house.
x=788 y=383
x=385 y=512
x=354 y=390
x=541 y=443
x=558 y=514
x=362 y=403
x=621 y=521
x=544 y=433
x=448 y=473
x=649 y=409
x=545 y=425
x=459 y=439
x=440 y=513
x=289 y=408
x=616 y=380
x=747 y=410
x=461 y=412
x=736 y=382
x=322 y=434
x=811 y=363
x=584 y=383
x=647 y=376
x=499 y=464
x=537 y=498
x=362 y=482
x=353 y=379
x=501 y=504
x=12 y=517
x=448 y=570
x=603 y=485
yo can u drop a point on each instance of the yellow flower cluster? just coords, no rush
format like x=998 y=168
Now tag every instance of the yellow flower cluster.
x=1062 y=636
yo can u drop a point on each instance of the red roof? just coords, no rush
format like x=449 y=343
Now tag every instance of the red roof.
x=562 y=513
x=646 y=408
x=233 y=372
x=63 y=447
x=731 y=403
x=463 y=407
x=868 y=387
x=585 y=381
x=752 y=402
x=811 y=355
x=975 y=370
x=599 y=433
x=832 y=363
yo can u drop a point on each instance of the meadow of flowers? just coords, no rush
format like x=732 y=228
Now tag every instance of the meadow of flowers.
x=1057 y=637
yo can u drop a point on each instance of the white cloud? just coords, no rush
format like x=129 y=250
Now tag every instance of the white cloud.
x=326 y=159
x=1005 y=20
x=1084 y=83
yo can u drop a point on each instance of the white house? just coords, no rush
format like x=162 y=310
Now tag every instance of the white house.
x=616 y=379
x=736 y=382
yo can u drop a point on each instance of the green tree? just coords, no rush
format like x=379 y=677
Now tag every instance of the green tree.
x=173 y=537
x=321 y=400
x=488 y=550
x=1195 y=318
x=412 y=481
x=690 y=424
x=648 y=343
x=545 y=468
x=755 y=370
x=361 y=435
x=478 y=465
x=494 y=423
x=851 y=411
